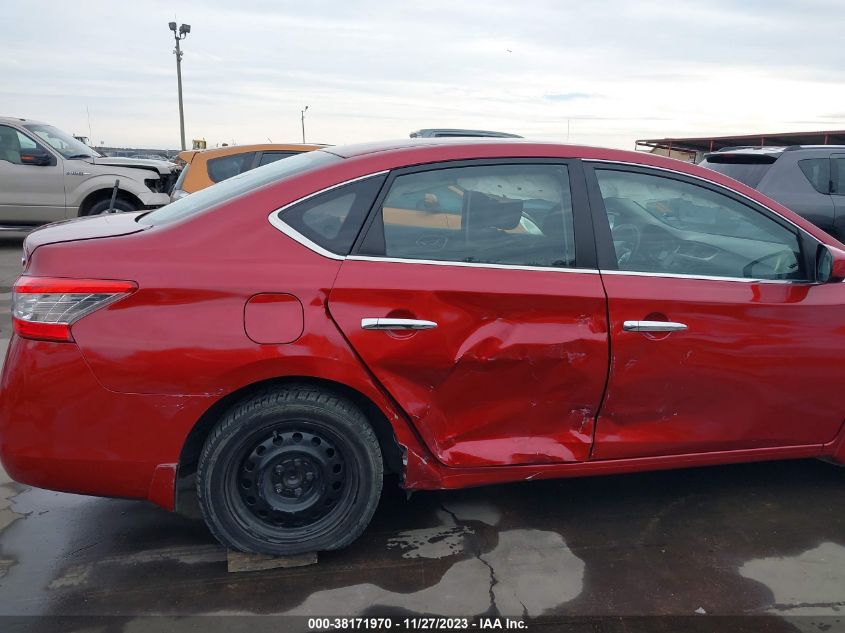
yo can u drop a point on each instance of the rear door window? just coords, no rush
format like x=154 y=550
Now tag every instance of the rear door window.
x=488 y=214
x=838 y=161
x=817 y=172
x=225 y=167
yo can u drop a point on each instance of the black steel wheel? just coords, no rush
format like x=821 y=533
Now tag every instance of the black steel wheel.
x=290 y=471
x=104 y=206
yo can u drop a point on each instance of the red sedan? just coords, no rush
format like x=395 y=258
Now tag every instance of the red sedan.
x=455 y=312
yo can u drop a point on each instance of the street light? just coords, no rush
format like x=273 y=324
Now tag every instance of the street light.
x=178 y=35
x=302 y=115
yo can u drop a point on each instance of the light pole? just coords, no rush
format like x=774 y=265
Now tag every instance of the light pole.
x=302 y=116
x=181 y=34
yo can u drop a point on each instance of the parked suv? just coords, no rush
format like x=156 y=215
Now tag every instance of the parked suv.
x=47 y=175
x=809 y=179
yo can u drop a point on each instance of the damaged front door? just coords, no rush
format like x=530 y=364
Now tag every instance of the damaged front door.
x=465 y=302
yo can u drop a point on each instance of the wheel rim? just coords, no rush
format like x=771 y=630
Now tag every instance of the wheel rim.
x=291 y=479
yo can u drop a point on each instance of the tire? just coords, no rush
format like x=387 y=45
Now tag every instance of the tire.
x=288 y=471
x=123 y=206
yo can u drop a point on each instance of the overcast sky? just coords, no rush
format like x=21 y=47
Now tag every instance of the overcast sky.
x=612 y=70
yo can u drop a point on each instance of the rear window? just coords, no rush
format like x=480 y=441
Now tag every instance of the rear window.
x=225 y=167
x=747 y=169
x=817 y=171
x=237 y=186
x=333 y=219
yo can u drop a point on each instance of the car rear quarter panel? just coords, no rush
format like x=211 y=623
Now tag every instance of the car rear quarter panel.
x=182 y=336
x=81 y=437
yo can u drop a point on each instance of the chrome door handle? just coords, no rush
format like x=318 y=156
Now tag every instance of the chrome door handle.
x=383 y=323
x=653 y=326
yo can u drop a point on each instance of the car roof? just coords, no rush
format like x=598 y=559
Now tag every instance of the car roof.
x=228 y=150
x=411 y=151
x=18 y=120
x=361 y=149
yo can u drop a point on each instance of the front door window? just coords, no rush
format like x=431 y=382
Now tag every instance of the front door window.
x=663 y=225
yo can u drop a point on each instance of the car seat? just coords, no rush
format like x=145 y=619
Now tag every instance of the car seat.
x=10 y=146
x=485 y=220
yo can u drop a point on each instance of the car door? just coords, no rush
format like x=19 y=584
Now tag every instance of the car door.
x=719 y=338
x=467 y=299
x=29 y=194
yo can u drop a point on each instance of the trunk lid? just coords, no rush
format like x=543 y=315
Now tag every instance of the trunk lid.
x=87 y=228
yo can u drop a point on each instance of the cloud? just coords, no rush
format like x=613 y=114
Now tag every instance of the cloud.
x=567 y=96
x=374 y=69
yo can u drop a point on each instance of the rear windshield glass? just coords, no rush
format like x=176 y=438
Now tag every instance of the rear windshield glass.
x=748 y=170
x=237 y=186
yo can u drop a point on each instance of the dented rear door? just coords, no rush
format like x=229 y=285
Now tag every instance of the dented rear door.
x=495 y=344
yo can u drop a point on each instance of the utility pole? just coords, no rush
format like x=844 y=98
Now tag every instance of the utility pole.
x=302 y=116
x=179 y=35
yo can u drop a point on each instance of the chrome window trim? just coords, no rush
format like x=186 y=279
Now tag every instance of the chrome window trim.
x=747 y=280
x=588 y=271
x=295 y=235
x=435 y=262
x=283 y=227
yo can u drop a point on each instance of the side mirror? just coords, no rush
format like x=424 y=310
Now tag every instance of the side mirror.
x=830 y=264
x=36 y=156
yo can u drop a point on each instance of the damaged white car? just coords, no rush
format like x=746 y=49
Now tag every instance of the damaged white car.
x=47 y=175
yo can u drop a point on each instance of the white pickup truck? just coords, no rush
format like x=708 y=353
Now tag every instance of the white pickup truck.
x=47 y=175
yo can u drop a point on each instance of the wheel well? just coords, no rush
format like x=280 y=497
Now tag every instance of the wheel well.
x=105 y=194
x=390 y=450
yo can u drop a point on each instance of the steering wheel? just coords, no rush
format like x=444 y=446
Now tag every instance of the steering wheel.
x=626 y=241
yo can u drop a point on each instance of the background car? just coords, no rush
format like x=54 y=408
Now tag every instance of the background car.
x=442 y=132
x=48 y=175
x=300 y=332
x=203 y=168
x=810 y=180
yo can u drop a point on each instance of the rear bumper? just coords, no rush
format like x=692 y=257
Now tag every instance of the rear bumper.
x=61 y=429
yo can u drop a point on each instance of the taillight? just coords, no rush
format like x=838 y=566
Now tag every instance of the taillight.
x=45 y=307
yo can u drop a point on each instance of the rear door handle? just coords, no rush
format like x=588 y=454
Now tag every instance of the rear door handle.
x=653 y=326
x=383 y=323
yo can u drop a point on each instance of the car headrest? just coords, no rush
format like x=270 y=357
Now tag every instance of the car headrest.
x=483 y=211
